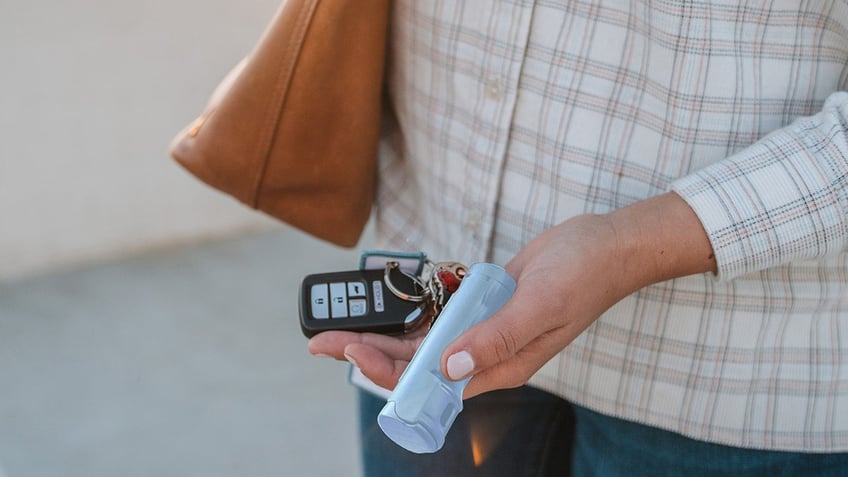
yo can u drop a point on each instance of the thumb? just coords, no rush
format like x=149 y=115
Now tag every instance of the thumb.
x=495 y=340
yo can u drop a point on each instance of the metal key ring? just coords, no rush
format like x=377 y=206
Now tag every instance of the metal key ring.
x=403 y=296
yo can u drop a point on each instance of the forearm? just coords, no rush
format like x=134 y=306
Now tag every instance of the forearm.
x=659 y=239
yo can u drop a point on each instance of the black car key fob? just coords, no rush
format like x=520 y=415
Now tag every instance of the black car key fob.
x=360 y=301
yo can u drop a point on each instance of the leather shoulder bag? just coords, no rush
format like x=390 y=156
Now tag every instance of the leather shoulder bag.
x=293 y=129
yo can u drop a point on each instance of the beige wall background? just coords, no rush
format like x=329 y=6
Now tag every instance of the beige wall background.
x=91 y=93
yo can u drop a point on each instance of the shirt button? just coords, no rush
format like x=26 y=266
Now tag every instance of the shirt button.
x=494 y=89
x=473 y=221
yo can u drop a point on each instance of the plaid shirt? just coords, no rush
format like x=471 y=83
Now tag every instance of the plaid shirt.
x=511 y=116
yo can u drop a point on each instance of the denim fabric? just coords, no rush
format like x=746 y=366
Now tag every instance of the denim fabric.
x=607 y=447
x=516 y=432
x=527 y=432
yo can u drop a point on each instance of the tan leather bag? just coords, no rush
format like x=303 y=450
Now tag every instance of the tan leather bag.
x=293 y=129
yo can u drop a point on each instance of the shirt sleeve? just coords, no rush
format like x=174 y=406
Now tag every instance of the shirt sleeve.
x=784 y=198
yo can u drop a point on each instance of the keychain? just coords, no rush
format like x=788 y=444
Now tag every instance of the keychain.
x=389 y=301
x=401 y=299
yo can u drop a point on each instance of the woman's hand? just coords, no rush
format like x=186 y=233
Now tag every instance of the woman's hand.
x=567 y=277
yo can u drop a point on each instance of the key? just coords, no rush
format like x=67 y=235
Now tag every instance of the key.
x=445 y=278
x=442 y=280
x=363 y=301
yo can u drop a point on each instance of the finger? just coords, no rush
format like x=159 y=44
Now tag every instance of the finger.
x=376 y=365
x=395 y=347
x=516 y=265
x=517 y=371
x=525 y=317
x=333 y=344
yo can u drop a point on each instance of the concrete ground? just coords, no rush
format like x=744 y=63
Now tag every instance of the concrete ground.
x=186 y=362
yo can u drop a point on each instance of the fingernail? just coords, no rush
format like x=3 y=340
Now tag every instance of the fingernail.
x=460 y=365
x=351 y=360
x=322 y=355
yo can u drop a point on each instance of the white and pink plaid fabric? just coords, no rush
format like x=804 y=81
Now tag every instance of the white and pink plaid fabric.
x=511 y=116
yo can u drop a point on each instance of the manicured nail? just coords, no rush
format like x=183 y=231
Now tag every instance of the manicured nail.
x=351 y=360
x=460 y=365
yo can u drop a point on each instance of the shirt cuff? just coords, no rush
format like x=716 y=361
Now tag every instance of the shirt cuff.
x=783 y=198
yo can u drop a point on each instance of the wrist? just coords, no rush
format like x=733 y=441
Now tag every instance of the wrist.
x=659 y=239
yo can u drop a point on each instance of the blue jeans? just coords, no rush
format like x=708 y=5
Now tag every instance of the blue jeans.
x=514 y=433
x=527 y=432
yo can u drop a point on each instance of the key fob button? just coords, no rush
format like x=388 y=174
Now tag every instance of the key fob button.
x=338 y=300
x=379 y=304
x=320 y=301
x=355 y=289
x=358 y=307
